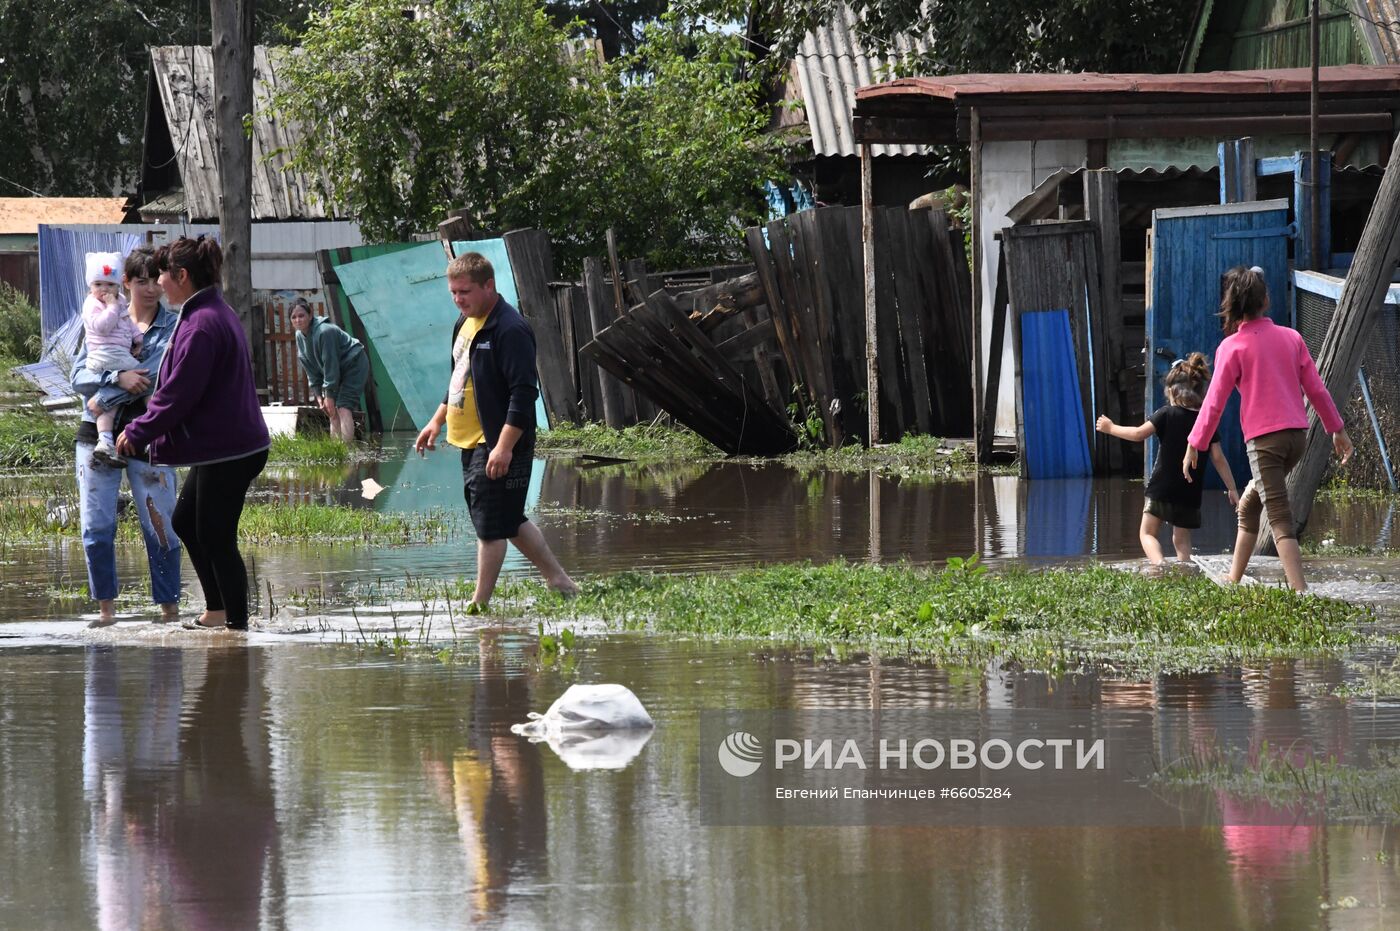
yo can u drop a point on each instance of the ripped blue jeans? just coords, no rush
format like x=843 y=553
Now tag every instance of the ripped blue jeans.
x=153 y=492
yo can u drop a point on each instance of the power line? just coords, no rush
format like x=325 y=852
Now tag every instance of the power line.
x=22 y=187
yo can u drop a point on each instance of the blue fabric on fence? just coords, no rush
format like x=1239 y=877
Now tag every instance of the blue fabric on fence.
x=61 y=270
x=1052 y=409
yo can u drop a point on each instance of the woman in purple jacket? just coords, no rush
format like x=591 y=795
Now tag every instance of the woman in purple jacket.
x=205 y=414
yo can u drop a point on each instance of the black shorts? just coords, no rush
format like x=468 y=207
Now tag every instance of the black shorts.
x=497 y=505
x=1187 y=518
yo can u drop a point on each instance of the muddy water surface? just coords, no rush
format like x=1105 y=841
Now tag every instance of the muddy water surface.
x=317 y=787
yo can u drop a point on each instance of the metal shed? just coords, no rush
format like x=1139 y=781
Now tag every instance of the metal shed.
x=1022 y=128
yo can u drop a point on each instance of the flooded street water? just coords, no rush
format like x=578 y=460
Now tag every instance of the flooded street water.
x=283 y=781
x=313 y=787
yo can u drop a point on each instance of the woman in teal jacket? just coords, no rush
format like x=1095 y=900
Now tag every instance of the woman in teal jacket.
x=336 y=367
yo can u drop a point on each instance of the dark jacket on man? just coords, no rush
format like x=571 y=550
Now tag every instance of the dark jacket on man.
x=505 y=381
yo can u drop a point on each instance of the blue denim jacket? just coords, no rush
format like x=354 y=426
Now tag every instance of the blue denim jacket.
x=104 y=384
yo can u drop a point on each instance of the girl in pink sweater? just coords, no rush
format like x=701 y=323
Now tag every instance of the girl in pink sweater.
x=1271 y=366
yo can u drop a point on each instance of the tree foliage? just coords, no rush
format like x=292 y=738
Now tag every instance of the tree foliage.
x=487 y=105
x=617 y=24
x=973 y=36
x=73 y=85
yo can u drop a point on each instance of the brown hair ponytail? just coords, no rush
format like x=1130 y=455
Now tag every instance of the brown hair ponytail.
x=201 y=257
x=1187 y=380
x=1243 y=296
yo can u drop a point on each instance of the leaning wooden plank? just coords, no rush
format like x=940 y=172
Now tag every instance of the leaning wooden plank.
x=682 y=384
x=1349 y=334
x=762 y=431
x=746 y=341
x=616 y=366
x=767 y=275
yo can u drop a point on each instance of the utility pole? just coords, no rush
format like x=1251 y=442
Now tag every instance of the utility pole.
x=232 y=50
x=867 y=252
x=1314 y=186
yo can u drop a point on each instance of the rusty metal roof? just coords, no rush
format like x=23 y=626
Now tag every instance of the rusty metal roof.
x=1339 y=79
x=831 y=64
x=20 y=215
x=185 y=84
x=1355 y=98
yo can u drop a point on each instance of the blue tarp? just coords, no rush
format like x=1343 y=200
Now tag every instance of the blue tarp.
x=1052 y=410
x=61 y=271
x=50 y=373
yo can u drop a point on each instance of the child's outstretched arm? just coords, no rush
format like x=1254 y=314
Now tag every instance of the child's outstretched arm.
x=1131 y=434
x=1222 y=468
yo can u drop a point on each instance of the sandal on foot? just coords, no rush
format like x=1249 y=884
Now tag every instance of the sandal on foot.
x=197 y=625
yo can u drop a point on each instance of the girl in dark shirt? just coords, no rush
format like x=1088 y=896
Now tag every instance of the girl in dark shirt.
x=1170 y=498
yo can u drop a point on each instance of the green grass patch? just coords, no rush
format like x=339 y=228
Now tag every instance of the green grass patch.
x=642 y=441
x=308 y=448
x=914 y=456
x=1052 y=619
x=276 y=523
x=31 y=438
x=32 y=521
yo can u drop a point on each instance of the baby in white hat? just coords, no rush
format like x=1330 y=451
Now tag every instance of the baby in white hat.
x=113 y=340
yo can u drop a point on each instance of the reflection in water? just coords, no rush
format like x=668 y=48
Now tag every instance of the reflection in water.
x=180 y=794
x=494 y=786
x=306 y=786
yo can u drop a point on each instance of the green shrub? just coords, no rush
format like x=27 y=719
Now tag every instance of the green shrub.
x=19 y=326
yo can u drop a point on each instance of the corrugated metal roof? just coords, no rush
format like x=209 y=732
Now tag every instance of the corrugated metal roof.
x=1378 y=21
x=830 y=65
x=24 y=214
x=185 y=83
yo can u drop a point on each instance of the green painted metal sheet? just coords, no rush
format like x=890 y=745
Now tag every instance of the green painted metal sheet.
x=391 y=406
x=402 y=300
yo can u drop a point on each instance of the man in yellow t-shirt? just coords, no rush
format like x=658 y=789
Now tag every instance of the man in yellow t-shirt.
x=489 y=411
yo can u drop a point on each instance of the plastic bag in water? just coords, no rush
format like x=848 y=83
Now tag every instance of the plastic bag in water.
x=588 y=709
x=592 y=726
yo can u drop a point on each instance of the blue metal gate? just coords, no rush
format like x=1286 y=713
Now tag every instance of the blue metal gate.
x=1191 y=248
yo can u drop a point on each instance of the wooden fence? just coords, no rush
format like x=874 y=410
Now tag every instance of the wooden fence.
x=810 y=268
x=285 y=382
